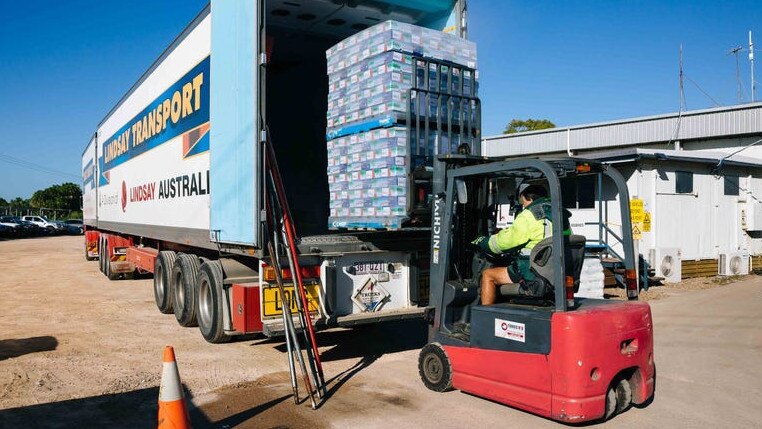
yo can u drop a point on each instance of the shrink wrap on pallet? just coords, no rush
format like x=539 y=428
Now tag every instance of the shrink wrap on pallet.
x=370 y=152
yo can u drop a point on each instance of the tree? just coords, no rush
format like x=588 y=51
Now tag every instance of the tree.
x=3 y=202
x=19 y=203
x=65 y=196
x=521 y=125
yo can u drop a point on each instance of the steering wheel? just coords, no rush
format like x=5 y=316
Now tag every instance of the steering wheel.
x=502 y=259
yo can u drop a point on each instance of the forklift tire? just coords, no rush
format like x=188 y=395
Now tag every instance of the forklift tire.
x=434 y=368
x=209 y=312
x=184 y=274
x=162 y=270
x=623 y=396
x=611 y=405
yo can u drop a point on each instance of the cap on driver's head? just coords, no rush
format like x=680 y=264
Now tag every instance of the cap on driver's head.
x=522 y=188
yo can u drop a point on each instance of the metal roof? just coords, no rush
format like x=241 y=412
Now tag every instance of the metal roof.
x=697 y=156
x=729 y=121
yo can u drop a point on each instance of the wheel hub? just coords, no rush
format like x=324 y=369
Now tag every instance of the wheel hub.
x=432 y=367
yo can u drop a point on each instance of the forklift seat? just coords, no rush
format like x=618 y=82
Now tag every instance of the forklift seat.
x=539 y=258
x=574 y=257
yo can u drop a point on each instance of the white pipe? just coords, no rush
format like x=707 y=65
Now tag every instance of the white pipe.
x=568 y=142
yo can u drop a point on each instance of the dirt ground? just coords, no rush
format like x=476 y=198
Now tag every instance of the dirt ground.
x=72 y=340
x=78 y=350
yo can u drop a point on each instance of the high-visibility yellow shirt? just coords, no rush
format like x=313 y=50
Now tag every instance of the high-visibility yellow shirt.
x=525 y=232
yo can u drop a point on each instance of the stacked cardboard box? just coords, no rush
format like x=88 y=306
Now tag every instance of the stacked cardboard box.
x=370 y=75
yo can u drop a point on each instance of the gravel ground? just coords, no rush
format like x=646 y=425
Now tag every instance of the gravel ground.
x=673 y=289
x=77 y=350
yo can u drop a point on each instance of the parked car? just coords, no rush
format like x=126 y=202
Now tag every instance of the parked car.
x=74 y=226
x=7 y=231
x=43 y=222
x=12 y=226
x=23 y=228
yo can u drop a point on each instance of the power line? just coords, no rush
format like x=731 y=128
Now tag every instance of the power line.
x=716 y=103
x=735 y=52
x=36 y=167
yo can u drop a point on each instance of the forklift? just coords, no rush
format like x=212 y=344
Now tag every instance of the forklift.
x=539 y=348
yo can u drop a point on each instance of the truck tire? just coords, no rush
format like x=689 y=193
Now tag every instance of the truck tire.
x=162 y=270
x=435 y=368
x=184 y=276
x=107 y=264
x=101 y=255
x=210 y=308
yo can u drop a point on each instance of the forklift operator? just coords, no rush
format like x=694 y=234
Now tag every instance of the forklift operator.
x=529 y=227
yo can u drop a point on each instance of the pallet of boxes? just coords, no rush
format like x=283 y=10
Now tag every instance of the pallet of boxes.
x=399 y=95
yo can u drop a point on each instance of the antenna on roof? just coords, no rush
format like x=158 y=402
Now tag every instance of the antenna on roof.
x=751 y=60
x=682 y=103
x=735 y=52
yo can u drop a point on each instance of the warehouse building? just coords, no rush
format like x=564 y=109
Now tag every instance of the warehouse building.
x=695 y=178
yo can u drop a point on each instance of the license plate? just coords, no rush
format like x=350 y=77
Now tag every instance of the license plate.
x=273 y=303
x=369 y=267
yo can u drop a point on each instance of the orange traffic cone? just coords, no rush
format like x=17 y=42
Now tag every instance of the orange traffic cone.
x=172 y=411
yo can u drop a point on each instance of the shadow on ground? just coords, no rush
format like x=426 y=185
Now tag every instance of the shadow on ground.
x=12 y=348
x=121 y=410
x=264 y=403
x=364 y=340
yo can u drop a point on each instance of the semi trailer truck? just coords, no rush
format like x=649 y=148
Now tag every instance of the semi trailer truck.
x=173 y=177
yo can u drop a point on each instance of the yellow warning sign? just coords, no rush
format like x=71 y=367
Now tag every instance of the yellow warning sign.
x=636 y=210
x=637 y=231
x=646 y=221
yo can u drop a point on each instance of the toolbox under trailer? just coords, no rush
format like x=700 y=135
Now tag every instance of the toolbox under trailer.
x=173 y=176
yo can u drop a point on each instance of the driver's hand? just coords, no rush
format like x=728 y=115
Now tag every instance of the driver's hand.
x=482 y=243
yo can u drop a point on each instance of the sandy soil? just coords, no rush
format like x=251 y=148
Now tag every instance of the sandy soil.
x=72 y=340
x=78 y=350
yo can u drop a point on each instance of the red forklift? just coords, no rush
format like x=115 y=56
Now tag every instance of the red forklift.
x=539 y=348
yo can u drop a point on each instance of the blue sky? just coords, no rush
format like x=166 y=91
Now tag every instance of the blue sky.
x=64 y=64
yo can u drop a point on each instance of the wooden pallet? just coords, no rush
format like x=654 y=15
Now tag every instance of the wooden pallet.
x=756 y=263
x=699 y=268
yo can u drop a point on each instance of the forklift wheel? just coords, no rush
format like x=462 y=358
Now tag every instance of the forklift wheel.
x=623 y=396
x=610 y=403
x=435 y=368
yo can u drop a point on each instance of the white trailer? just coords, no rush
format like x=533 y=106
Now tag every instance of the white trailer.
x=172 y=178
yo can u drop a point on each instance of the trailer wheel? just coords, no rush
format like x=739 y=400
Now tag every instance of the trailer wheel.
x=101 y=255
x=109 y=274
x=435 y=368
x=184 y=275
x=210 y=296
x=162 y=290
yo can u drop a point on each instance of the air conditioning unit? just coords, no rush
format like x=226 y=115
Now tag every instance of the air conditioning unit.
x=667 y=263
x=733 y=264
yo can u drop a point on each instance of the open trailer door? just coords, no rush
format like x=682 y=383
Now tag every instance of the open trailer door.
x=235 y=146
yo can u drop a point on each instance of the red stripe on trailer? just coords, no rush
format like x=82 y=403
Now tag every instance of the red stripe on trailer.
x=247 y=313
x=142 y=257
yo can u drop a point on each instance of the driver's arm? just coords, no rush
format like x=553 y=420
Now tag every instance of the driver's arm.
x=515 y=235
